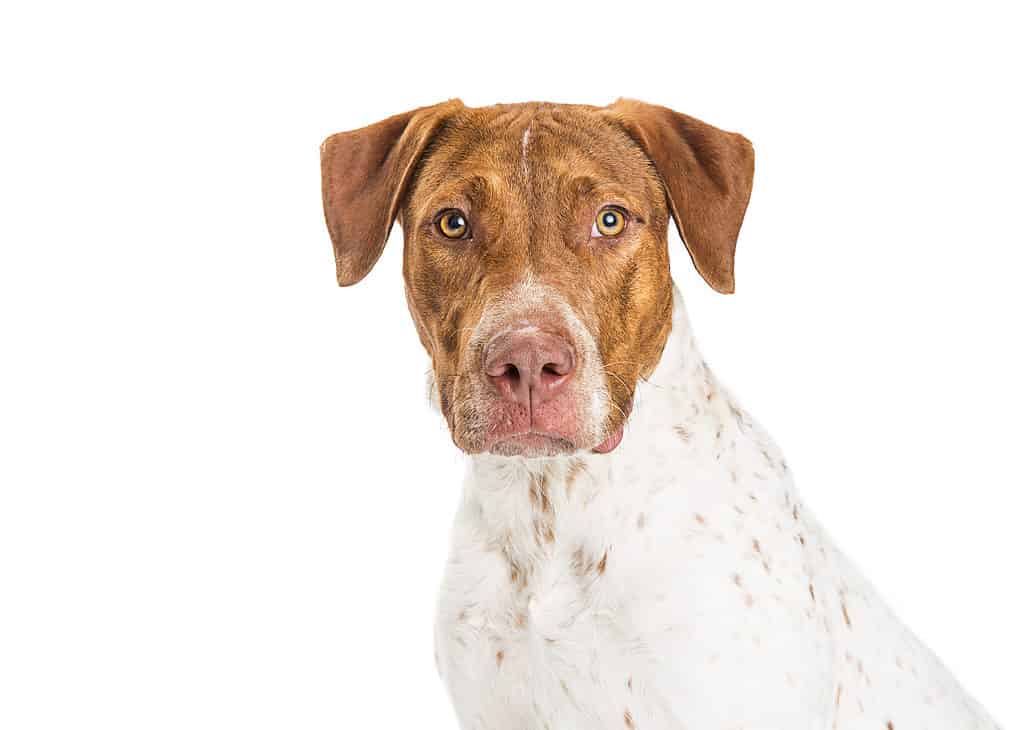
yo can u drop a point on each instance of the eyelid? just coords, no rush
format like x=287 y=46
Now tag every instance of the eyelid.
x=633 y=214
x=450 y=209
x=615 y=206
x=627 y=216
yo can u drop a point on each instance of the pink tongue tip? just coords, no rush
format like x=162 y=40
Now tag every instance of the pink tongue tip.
x=611 y=442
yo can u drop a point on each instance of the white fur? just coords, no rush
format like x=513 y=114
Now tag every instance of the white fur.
x=678 y=582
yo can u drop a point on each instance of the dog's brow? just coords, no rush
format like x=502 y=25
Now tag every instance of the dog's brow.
x=473 y=189
x=584 y=186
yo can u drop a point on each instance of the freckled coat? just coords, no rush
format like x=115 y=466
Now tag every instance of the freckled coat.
x=678 y=582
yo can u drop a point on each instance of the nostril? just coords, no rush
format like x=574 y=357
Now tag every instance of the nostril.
x=553 y=374
x=506 y=371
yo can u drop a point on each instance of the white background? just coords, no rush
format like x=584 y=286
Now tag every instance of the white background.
x=225 y=502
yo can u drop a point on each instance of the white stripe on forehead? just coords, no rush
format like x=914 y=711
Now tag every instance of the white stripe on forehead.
x=526 y=141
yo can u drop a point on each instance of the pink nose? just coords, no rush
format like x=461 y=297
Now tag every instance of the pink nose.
x=529 y=366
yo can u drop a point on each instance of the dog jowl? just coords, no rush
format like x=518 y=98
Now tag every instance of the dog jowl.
x=536 y=252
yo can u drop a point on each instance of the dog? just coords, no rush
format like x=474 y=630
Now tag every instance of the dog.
x=630 y=550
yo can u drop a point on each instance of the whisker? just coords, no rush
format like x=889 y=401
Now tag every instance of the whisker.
x=621 y=362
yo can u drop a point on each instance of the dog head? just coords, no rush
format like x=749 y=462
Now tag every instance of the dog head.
x=536 y=254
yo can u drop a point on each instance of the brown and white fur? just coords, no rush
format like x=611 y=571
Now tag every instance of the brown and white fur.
x=630 y=551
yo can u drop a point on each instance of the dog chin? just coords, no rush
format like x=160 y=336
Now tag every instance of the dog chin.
x=532 y=445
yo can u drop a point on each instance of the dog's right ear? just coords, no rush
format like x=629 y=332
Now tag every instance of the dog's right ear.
x=364 y=174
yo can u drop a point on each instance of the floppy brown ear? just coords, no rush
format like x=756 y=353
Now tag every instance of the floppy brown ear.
x=364 y=175
x=707 y=173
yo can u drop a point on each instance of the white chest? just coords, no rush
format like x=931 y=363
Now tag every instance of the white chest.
x=599 y=611
x=623 y=594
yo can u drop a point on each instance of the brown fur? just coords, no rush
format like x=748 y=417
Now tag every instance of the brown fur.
x=535 y=215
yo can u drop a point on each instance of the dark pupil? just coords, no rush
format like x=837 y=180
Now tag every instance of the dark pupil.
x=455 y=221
x=610 y=219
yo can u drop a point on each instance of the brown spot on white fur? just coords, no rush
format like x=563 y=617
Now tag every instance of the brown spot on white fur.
x=516 y=574
x=540 y=497
x=628 y=718
x=544 y=530
x=576 y=468
x=583 y=565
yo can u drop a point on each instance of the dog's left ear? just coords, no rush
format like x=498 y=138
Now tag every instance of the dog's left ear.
x=364 y=174
x=707 y=174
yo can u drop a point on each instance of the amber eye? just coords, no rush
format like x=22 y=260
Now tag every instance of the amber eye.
x=610 y=222
x=452 y=224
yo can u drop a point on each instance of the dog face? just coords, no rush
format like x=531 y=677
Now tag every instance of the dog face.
x=536 y=255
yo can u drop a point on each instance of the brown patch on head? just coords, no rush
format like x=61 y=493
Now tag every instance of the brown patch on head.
x=499 y=657
x=627 y=717
x=531 y=208
x=530 y=181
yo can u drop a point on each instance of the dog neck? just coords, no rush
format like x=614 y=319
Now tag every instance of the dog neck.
x=688 y=447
